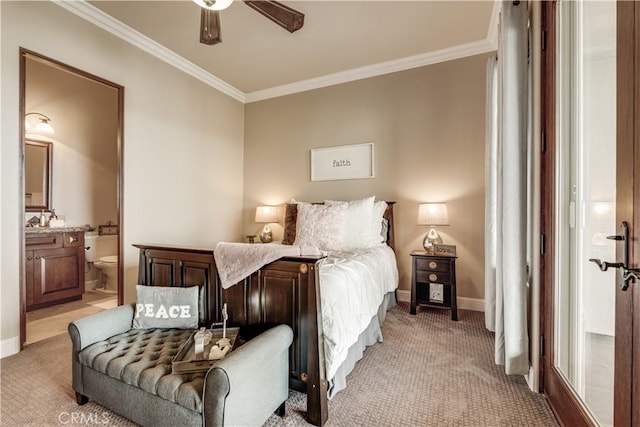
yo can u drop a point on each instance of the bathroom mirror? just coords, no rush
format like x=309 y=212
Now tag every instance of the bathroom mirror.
x=37 y=174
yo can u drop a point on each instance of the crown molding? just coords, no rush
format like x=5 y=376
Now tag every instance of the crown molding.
x=108 y=23
x=429 y=58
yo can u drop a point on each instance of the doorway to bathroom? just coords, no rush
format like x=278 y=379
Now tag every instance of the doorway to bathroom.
x=83 y=114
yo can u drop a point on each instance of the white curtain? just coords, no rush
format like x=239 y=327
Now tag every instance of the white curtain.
x=506 y=199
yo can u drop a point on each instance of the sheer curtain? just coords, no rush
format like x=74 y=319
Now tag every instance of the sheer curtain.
x=506 y=198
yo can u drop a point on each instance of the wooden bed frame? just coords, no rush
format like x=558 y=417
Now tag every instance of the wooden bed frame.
x=285 y=291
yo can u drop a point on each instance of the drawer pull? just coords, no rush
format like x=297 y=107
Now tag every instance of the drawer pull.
x=433 y=265
x=73 y=239
x=38 y=257
x=433 y=277
x=29 y=258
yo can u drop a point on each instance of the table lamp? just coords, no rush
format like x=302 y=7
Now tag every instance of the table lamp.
x=432 y=214
x=266 y=215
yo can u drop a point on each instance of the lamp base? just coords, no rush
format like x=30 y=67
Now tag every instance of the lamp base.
x=430 y=239
x=265 y=235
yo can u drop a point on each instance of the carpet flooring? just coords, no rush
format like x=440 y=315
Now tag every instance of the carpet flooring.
x=430 y=371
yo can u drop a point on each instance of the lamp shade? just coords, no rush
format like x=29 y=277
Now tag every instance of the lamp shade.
x=43 y=125
x=267 y=214
x=433 y=214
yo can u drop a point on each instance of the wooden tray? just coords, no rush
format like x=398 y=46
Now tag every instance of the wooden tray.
x=185 y=360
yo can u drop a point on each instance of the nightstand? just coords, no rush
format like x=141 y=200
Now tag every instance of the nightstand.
x=433 y=282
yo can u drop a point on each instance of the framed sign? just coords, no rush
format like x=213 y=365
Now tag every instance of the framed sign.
x=446 y=250
x=344 y=162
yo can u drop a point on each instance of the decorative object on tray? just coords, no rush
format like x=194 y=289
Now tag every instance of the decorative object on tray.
x=444 y=250
x=202 y=349
x=266 y=215
x=201 y=338
x=223 y=345
x=432 y=214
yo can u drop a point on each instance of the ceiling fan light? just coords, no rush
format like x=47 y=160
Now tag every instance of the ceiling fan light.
x=213 y=4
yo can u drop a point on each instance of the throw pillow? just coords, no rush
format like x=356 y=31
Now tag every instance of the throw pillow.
x=320 y=226
x=378 y=227
x=356 y=230
x=290 y=218
x=166 y=307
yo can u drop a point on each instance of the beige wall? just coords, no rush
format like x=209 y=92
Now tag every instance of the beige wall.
x=428 y=128
x=183 y=144
x=84 y=114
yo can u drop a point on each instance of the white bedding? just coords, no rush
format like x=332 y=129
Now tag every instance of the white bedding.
x=352 y=287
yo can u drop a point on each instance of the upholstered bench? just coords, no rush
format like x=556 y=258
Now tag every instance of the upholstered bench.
x=129 y=371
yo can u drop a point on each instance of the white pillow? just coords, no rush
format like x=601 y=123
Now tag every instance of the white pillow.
x=320 y=226
x=356 y=230
x=379 y=208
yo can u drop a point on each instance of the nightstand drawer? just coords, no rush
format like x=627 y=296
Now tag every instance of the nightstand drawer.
x=433 y=277
x=433 y=265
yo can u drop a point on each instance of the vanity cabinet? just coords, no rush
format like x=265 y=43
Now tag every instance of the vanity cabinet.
x=54 y=268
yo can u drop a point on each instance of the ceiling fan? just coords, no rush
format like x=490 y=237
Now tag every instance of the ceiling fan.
x=210 y=32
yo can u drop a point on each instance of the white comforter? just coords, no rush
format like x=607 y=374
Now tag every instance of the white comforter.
x=352 y=287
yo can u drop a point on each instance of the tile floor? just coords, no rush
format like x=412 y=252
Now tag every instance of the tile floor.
x=50 y=321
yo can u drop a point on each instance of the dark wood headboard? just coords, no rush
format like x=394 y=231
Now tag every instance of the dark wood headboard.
x=391 y=235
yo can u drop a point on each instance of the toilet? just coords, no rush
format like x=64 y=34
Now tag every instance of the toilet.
x=102 y=252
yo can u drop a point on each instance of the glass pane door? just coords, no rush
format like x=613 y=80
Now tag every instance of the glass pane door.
x=586 y=195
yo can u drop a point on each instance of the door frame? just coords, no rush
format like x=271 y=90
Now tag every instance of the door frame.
x=627 y=372
x=567 y=407
x=119 y=174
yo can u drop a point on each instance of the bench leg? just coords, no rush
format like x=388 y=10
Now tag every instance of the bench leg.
x=81 y=399
x=280 y=411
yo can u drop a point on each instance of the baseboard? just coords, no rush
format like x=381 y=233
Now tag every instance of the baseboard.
x=464 y=303
x=9 y=347
x=404 y=296
x=473 y=304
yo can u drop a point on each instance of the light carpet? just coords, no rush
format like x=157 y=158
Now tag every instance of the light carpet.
x=430 y=371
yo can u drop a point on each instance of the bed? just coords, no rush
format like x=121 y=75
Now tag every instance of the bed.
x=288 y=290
x=347 y=292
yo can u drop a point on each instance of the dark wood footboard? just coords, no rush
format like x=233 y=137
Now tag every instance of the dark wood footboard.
x=285 y=291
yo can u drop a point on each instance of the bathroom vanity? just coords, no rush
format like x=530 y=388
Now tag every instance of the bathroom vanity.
x=54 y=270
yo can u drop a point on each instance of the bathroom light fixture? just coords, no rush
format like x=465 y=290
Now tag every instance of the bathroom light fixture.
x=214 y=4
x=266 y=215
x=43 y=126
x=432 y=214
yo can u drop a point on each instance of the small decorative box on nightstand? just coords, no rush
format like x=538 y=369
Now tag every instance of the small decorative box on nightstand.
x=433 y=282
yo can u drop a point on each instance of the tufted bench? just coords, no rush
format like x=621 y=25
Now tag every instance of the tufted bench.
x=129 y=371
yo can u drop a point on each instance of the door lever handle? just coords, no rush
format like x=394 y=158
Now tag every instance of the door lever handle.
x=626 y=273
x=604 y=265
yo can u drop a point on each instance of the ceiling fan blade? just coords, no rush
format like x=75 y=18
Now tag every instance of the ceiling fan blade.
x=210 y=27
x=287 y=18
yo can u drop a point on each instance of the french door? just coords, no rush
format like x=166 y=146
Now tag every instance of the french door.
x=591 y=211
